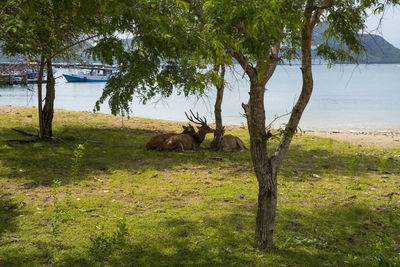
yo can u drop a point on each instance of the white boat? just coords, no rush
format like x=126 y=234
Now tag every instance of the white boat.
x=94 y=75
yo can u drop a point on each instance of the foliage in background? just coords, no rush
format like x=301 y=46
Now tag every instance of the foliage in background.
x=44 y=30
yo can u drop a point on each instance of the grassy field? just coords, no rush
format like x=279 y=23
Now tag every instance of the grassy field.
x=96 y=196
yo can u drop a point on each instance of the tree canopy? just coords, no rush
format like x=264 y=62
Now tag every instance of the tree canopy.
x=174 y=39
x=47 y=29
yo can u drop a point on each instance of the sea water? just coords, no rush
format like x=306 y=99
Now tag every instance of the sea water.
x=345 y=97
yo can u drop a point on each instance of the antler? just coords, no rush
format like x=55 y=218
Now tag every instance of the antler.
x=197 y=117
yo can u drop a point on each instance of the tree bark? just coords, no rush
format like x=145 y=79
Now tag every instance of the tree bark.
x=266 y=172
x=216 y=143
x=266 y=211
x=48 y=110
x=40 y=99
x=267 y=168
x=311 y=16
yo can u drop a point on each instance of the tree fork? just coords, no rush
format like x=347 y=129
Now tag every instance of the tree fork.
x=264 y=167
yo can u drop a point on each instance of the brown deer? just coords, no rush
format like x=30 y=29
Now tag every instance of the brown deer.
x=157 y=142
x=184 y=142
x=229 y=142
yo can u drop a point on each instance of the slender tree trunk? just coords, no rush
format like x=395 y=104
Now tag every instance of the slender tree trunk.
x=40 y=99
x=266 y=171
x=266 y=211
x=216 y=143
x=267 y=168
x=48 y=109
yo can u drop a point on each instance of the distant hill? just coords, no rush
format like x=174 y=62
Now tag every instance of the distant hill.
x=380 y=51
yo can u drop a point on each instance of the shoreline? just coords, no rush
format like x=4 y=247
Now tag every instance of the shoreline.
x=371 y=138
x=385 y=139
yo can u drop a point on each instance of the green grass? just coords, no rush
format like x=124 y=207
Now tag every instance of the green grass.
x=116 y=204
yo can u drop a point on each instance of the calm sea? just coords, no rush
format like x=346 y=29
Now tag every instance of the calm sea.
x=346 y=97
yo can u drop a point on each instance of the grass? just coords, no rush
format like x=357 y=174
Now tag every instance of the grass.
x=111 y=202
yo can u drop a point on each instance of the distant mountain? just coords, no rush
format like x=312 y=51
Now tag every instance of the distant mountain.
x=380 y=51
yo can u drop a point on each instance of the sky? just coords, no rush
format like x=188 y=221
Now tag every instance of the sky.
x=390 y=26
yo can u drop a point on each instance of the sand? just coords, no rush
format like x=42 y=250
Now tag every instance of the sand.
x=387 y=139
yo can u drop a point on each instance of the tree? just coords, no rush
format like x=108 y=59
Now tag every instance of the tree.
x=220 y=86
x=167 y=52
x=48 y=29
x=163 y=55
x=258 y=34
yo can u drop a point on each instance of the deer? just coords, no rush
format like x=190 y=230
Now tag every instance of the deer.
x=229 y=142
x=184 y=142
x=157 y=142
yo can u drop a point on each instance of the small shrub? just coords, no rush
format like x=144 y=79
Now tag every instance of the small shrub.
x=382 y=165
x=103 y=245
x=354 y=185
x=77 y=157
x=381 y=253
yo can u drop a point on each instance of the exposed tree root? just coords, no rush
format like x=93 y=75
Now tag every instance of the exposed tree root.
x=24 y=132
x=19 y=141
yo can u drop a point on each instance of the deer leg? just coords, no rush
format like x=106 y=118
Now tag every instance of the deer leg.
x=181 y=147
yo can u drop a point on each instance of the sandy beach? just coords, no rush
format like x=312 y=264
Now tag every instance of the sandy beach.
x=363 y=138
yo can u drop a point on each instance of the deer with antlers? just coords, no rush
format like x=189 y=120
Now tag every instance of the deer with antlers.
x=186 y=141
x=157 y=142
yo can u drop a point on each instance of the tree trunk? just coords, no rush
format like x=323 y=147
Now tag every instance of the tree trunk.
x=216 y=143
x=266 y=171
x=40 y=99
x=266 y=210
x=48 y=110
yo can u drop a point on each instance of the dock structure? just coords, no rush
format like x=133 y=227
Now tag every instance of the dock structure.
x=17 y=73
x=26 y=72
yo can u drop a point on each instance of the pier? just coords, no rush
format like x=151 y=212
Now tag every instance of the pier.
x=26 y=72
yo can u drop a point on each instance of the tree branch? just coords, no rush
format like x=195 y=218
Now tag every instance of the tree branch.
x=250 y=70
x=329 y=4
x=271 y=66
x=243 y=30
x=306 y=68
x=63 y=49
x=275 y=119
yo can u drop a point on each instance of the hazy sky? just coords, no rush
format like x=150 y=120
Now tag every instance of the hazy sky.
x=390 y=27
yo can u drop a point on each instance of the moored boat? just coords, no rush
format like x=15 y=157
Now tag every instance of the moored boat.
x=94 y=75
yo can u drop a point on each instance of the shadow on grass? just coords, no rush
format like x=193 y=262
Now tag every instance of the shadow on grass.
x=329 y=236
x=9 y=210
x=124 y=149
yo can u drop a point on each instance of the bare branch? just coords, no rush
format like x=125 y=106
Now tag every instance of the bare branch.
x=250 y=70
x=63 y=49
x=276 y=118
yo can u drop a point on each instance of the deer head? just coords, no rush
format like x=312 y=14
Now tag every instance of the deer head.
x=203 y=129
x=188 y=129
x=201 y=121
